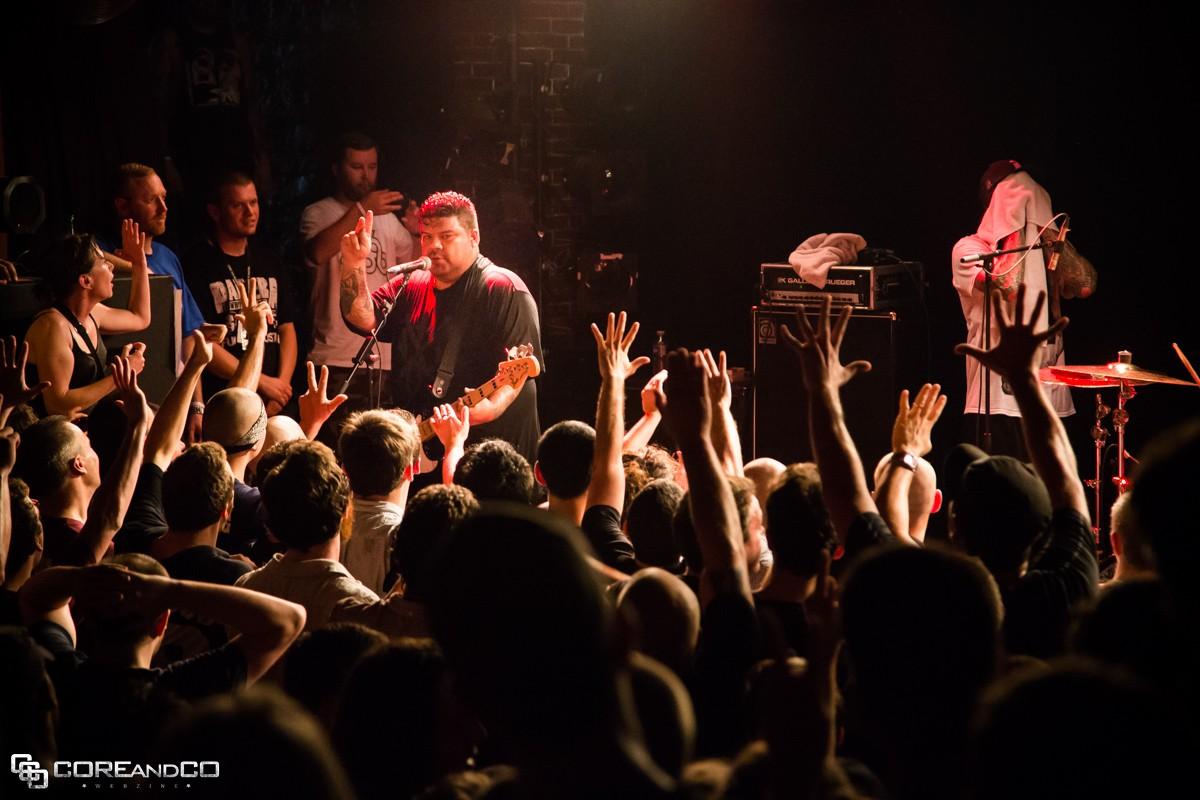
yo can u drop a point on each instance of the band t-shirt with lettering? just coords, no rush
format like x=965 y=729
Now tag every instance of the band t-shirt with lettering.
x=211 y=274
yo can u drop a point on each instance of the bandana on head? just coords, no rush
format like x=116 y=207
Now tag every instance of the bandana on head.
x=251 y=437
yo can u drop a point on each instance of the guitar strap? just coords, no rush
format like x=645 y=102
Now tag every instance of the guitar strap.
x=466 y=309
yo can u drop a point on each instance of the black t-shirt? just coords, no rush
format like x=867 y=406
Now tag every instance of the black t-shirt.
x=144 y=520
x=602 y=526
x=1037 y=606
x=725 y=652
x=494 y=311
x=63 y=547
x=793 y=621
x=117 y=713
x=208 y=276
x=248 y=522
x=205 y=564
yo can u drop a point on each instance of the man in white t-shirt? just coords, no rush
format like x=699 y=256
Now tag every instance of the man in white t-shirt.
x=355 y=171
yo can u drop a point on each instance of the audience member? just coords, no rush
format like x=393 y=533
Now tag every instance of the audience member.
x=267 y=746
x=216 y=266
x=1001 y=509
x=764 y=472
x=801 y=536
x=1132 y=551
x=560 y=702
x=66 y=351
x=922 y=629
x=428 y=732
x=430 y=518
x=112 y=704
x=564 y=466
x=377 y=450
x=138 y=195
x=494 y=470
x=665 y=617
x=355 y=168
x=306 y=496
x=80 y=513
x=649 y=525
x=318 y=664
x=1045 y=732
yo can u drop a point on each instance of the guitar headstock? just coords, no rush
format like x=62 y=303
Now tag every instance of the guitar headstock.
x=521 y=364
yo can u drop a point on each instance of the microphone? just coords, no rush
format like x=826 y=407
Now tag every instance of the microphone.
x=410 y=266
x=1057 y=247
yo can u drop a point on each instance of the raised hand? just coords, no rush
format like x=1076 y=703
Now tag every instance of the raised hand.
x=1017 y=350
x=650 y=393
x=203 y=339
x=133 y=243
x=612 y=349
x=450 y=426
x=356 y=245
x=911 y=432
x=819 y=349
x=256 y=314
x=13 y=356
x=129 y=395
x=315 y=404
x=720 y=391
x=383 y=201
x=684 y=399
x=135 y=354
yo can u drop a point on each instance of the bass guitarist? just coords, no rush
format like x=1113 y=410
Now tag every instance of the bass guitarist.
x=451 y=324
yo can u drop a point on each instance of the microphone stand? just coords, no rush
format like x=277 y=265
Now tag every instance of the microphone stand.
x=983 y=423
x=370 y=341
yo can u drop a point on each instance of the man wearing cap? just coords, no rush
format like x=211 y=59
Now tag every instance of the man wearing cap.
x=1030 y=527
x=1017 y=211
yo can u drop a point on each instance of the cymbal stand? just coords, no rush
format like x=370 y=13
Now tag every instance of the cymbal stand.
x=1120 y=420
x=1100 y=437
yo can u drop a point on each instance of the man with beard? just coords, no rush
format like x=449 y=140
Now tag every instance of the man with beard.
x=355 y=170
x=139 y=194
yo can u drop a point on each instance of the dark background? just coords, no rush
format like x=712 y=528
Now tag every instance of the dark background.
x=758 y=124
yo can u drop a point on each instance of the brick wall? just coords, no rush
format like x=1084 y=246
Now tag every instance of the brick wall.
x=551 y=44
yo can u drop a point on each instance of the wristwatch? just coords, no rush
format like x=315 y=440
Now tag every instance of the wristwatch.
x=906 y=460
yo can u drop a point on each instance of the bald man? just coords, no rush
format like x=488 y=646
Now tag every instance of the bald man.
x=924 y=498
x=236 y=419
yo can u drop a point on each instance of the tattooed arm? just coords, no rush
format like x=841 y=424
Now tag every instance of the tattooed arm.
x=357 y=309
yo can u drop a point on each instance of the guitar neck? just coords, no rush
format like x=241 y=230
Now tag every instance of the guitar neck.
x=470 y=399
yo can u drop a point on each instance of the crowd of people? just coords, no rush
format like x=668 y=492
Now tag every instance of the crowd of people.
x=665 y=623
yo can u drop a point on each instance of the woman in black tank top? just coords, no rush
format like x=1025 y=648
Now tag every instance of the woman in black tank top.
x=65 y=347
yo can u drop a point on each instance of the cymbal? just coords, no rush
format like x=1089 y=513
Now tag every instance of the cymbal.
x=1101 y=375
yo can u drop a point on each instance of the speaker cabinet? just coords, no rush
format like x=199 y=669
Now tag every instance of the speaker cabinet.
x=869 y=401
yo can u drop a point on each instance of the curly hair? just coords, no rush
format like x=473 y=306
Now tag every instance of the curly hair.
x=494 y=470
x=450 y=204
x=306 y=495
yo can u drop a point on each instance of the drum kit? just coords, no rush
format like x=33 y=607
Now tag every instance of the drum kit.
x=1123 y=376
